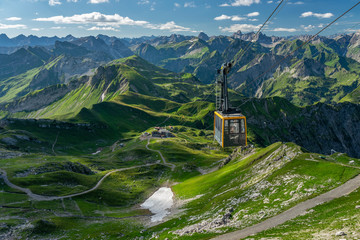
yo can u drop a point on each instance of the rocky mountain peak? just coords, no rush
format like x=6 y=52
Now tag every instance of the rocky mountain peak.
x=203 y=36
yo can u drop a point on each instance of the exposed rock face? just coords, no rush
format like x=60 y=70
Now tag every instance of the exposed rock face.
x=203 y=36
x=21 y=61
x=119 y=49
x=42 y=98
x=319 y=128
x=43 y=79
x=309 y=67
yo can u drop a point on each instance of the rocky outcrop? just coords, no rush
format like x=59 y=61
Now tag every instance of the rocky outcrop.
x=21 y=61
x=54 y=167
x=43 y=98
x=319 y=128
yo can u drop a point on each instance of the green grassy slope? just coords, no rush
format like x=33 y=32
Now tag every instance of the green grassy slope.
x=317 y=74
x=323 y=221
x=254 y=187
x=131 y=76
x=14 y=87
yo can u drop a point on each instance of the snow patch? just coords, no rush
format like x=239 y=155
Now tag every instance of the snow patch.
x=159 y=203
x=97 y=152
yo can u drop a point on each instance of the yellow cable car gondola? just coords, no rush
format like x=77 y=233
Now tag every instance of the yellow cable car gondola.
x=229 y=124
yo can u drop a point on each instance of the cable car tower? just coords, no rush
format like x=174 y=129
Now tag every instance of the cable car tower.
x=229 y=124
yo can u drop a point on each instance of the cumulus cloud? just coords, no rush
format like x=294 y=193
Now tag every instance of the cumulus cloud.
x=177 y=5
x=98 y=1
x=270 y=2
x=237 y=18
x=318 y=15
x=237 y=3
x=308 y=27
x=12 y=26
x=241 y=27
x=57 y=28
x=143 y=2
x=232 y=18
x=284 y=30
x=222 y=17
x=296 y=3
x=94 y=18
x=103 y=29
x=54 y=2
x=253 y=14
x=170 y=26
x=190 y=4
x=103 y=20
x=13 y=19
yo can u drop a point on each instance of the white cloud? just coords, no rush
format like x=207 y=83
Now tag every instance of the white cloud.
x=177 y=5
x=98 y=1
x=103 y=29
x=241 y=27
x=222 y=17
x=237 y=3
x=143 y=2
x=284 y=30
x=270 y=2
x=318 y=15
x=308 y=28
x=54 y=2
x=296 y=3
x=237 y=18
x=103 y=20
x=94 y=18
x=57 y=28
x=12 y=26
x=253 y=14
x=37 y=29
x=253 y=20
x=226 y=17
x=13 y=19
x=170 y=26
x=72 y=0
x=190 y=4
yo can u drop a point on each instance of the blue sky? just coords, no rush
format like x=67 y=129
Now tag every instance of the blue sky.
x=135 y=18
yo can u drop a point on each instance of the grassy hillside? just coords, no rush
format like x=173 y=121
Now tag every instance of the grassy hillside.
x=131 y=76
x=254 y=186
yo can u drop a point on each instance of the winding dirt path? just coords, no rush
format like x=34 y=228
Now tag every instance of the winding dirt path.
x=171 y=165
x=38 y=197
x=293 y=212
x=50 y=198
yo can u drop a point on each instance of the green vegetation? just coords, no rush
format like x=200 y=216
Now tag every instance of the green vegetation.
x=323 y=221
x=255 y=187
x=14 y=87
x=97 y=131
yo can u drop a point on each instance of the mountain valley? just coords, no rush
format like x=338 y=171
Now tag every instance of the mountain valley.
x=79 y=156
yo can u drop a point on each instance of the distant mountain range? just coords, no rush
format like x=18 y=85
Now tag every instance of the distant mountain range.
x=326 y=70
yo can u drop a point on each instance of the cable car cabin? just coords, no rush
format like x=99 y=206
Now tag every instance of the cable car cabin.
x=230 y=129
x=229 y=123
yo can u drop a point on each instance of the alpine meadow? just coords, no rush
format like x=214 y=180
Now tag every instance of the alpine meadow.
x=155 y=119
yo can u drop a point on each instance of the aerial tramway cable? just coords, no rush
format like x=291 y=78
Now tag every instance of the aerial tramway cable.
x=276 y=12
x=267 y=20
x=304 y=43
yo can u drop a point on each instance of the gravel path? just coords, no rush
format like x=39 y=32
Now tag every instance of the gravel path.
x=50 y=198
x=293 y=212
x=38 y=197
x=172 y=166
